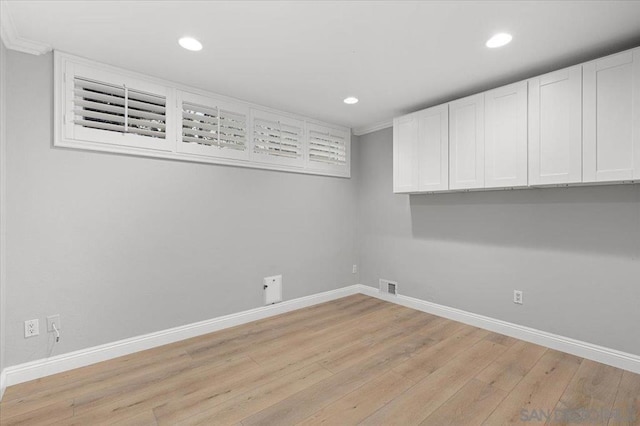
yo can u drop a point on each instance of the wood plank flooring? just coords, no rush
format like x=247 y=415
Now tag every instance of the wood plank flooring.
x=356 y=360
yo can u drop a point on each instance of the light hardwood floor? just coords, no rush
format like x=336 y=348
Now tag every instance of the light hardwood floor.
x=356 y=360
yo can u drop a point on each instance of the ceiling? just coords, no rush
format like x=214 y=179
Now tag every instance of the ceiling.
x=305 y=57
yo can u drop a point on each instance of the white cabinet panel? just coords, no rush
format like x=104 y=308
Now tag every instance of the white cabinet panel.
x=405 y=144
x=611 y=121
x=466 y=143
x=506 y=136
x=433 y=149
x=555 y=127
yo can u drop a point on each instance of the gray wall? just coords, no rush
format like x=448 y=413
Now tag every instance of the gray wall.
x=575 y=252
x=3 y=72
x=121 y=246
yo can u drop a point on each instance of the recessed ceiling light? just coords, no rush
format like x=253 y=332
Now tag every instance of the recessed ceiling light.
x=190 y=43
x=351 y=100
x=499 y=40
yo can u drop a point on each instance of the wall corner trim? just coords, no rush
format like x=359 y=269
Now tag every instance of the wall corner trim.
x=11 y=38
x=615 y=358
x=359 y=131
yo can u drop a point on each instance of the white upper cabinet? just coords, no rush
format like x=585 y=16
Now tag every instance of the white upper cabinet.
x=555 y=127
x=573 y=126
x=405 y=150
x=466 y=143
x=433 y=149
x=611 y=121
x=505 y=155
x=421 y=151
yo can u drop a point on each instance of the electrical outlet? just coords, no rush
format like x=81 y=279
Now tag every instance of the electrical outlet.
x=53 y=319
x=517 y=297
x=355 y=269
x=31 y=328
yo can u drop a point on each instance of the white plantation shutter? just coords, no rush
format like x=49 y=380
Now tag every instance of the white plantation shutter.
x=108 y=108
x=328 y=148
x=100 y=105
x=103 y=108
x=211 y=127
x=278 y=139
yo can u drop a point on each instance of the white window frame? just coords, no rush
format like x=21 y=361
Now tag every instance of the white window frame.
x=68 y=135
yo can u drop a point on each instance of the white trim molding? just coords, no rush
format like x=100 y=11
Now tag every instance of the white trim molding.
x=359 y=131
x=3 y=383
x=579 y=348
x=45 y=367
x=12 y=40
x=81 y=358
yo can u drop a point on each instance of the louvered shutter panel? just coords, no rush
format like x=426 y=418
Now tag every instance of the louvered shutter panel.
x=278 y=139
x=99 y=105
x=109 y=108
x=328 y=148
x=212 y=128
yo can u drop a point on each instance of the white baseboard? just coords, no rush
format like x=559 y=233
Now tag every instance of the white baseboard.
x=3 y=383
x=45 y=367
x=579 y=348
x=57 y=364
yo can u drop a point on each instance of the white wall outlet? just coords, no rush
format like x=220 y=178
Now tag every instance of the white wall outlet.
x=31 y=328
x=354 y=270
x=53 y=319
x=517 y=297
x=272 y=289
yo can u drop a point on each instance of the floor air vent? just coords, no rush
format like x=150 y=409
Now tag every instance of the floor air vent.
x=389 y=287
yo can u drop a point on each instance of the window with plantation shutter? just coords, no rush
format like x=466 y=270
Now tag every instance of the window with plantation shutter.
x=103 y=108
x=278 y=139
x=99 y=105
x=107 y=108
x=212 y=127
x=328 y=148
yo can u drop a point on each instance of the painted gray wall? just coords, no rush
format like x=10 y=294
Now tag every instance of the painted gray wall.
x=121 y=246
x=3 y=73
x=575 y=252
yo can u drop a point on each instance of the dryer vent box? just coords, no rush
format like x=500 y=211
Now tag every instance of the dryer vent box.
x=272 y=289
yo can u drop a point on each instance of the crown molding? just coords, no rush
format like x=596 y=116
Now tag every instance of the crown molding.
x=359 y=131
x=12 y=40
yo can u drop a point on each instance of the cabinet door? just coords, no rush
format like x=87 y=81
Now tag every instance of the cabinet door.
x=405 y=144
x=466 y=143
x=555 y=127
x=433 y=149
x=505 y=152
x=611 y=121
